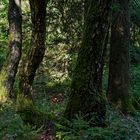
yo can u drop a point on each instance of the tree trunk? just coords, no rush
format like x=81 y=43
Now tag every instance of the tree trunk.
x=37 y=50
x=86 y=93
x=24 y=102
x=15 y=46
x=119 y=79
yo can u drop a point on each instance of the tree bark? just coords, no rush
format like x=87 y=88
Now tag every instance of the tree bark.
x=86 y=93
x=37 y=50
x=119 y=78
x=10 y=67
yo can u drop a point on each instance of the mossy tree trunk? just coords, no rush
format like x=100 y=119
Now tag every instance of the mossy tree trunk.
x=10 y=67
x=25 y=105
x=37 y=50
x=86 y=93
x=119 y=79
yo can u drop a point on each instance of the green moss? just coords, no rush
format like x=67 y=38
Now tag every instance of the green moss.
x=29 y=112
x=3 y=91
x=127 y=105
x=102 y=97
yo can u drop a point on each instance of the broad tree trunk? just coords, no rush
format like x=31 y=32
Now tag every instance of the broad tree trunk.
x=119 y=79
x=37 y=50
x=10 y=67
x=86 y=86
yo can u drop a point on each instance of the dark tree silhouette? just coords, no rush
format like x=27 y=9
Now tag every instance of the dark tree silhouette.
x=86 y=84
x=37 y=50
x=119 y=78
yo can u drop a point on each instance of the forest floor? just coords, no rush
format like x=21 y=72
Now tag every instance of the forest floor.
x=53 y=99
x=51 y=89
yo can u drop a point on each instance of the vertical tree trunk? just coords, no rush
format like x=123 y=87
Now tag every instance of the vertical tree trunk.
x=119 y=79
x=86 y=90
x=25 y=104
x=15 y=46
x=37 y=50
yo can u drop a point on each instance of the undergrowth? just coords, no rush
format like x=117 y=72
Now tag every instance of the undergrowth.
x=13 y=127
x=118 y=127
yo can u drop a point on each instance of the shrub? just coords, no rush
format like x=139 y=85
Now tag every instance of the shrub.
x=118 y=127
x=11 y=125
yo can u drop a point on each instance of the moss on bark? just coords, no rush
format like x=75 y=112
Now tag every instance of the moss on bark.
x=86 y=96
x=29 y=112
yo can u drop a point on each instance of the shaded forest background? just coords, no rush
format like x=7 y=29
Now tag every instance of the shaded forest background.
x=44 y=106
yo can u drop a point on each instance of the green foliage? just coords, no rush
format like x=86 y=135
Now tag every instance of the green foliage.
x=64 y=22
x=13 y=126
x=64 y=28
x=3 y=31
x=135 y=55
x=116 y=7
x=135 y=82
x=135 y=12
x=118 y=127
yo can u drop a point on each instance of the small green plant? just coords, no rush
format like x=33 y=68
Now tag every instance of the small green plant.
x=118 y=127
x=12 y=126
